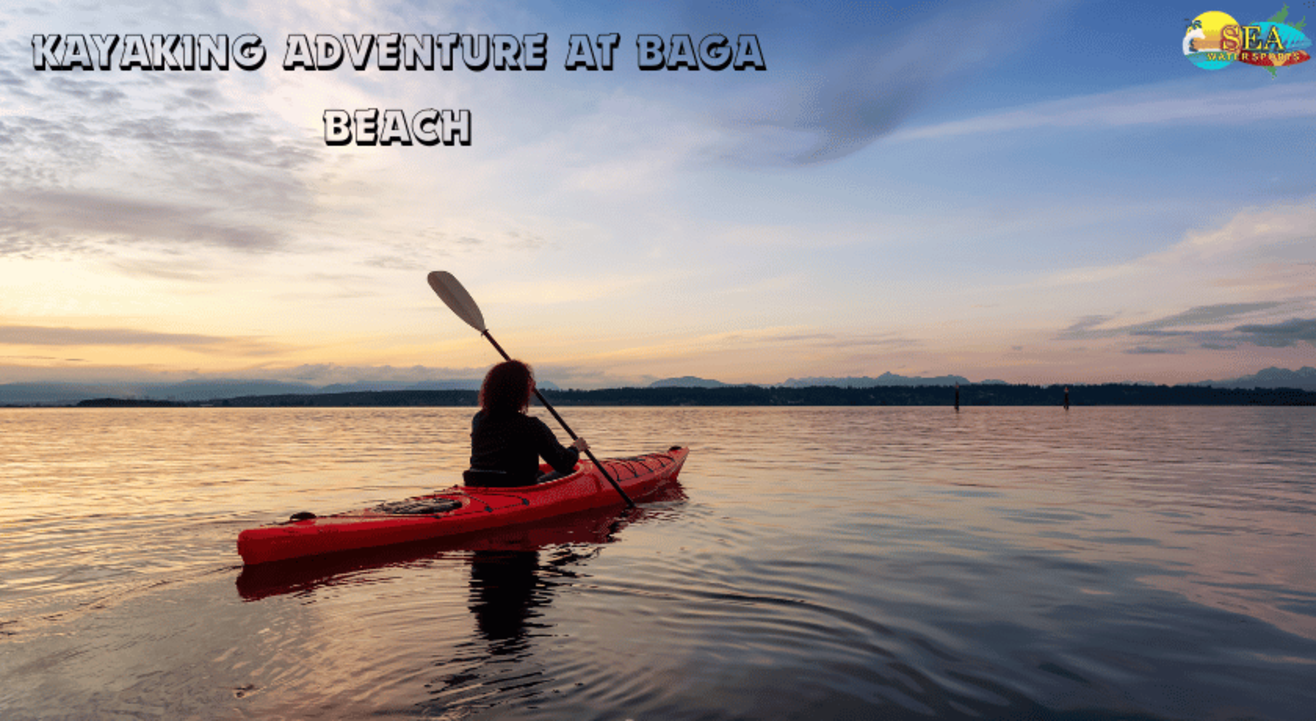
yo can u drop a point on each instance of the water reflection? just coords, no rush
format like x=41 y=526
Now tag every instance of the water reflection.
x=503 y=585
x=509 y=587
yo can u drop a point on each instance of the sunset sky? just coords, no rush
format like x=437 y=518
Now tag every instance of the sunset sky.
x=1031 y=192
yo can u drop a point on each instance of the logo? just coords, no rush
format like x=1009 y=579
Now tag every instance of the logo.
x=1214 y=40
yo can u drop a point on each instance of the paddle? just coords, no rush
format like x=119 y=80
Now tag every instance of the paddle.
x=455 y=296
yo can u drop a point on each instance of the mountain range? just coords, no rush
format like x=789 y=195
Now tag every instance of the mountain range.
x=205 y=389
x=1304 y=378
x=886 y=379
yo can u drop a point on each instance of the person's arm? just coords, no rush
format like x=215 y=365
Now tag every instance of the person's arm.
x=561 y=458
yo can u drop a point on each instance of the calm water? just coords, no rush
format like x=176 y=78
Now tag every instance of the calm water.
x=1100 y=564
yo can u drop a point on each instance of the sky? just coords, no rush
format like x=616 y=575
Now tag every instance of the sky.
x=1022 y=191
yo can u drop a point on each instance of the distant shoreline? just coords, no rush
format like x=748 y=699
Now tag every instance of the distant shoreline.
x=754 y=396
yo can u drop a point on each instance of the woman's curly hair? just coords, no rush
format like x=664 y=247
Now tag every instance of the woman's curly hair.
x=507 y=387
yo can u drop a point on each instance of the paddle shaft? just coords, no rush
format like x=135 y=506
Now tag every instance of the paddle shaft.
x=565 y=427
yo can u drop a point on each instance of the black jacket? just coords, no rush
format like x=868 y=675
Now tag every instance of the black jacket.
x=513 y=443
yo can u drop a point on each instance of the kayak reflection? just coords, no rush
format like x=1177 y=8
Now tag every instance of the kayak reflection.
x=500 y=559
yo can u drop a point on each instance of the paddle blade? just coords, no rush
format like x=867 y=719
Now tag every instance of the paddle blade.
x=456 y=297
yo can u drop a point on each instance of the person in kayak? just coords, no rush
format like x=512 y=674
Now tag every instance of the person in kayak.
x=506 y=443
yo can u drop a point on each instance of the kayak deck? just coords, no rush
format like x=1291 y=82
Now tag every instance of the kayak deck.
x=460 y=510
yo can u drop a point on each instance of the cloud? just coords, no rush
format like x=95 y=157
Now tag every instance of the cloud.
x=1203 y=315
x=40 y=335
x=1266 y=251
x=1261 y=253
x=1176 y=105
x=1143 y=350
x=37 y=222
x=1086 y=327
x=329 y=373
x=872 y=67
x=73 y=118
x=1159 y=333
x=1091 y=326
x=1281 y=232
x=238 y=137
x=538 y=291
x=86 y=90
x=190 y=270
x=10 y=78
x=30 y=335
x=1280 y=335
x=1217 y=313
x=321 y=374
x=1183 y=330
x=90 y=161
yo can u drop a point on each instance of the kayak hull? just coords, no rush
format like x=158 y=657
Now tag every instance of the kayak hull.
x=475 y=509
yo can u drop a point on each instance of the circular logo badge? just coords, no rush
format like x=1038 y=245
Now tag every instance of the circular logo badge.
x=1204 y=40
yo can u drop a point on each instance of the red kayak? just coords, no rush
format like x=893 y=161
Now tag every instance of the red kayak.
x=459 y=510
x=594 y=527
